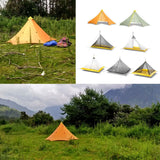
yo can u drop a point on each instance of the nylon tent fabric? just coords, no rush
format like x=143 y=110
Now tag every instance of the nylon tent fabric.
x=61 y=134
x=131 y=45
x=93 y=66
x=134 y=19
x=102 y=43
x=145 y=70
x=101 y=18
x=31 y=33
x=119 y=67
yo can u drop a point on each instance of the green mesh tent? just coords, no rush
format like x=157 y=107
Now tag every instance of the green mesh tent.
x=102 y=43
x=119 y=67
x=134 y=19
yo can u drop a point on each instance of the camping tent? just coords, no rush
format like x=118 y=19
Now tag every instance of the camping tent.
x=31 y=32
x=131 y=45
x=134 y=19
x=101 y=18
x=145 y=70
x=119 y=67
x=61 y=134
x=93 y=66
x=102 y=43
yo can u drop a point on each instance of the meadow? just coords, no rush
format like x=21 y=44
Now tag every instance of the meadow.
x=104 y=142
x=25 y=63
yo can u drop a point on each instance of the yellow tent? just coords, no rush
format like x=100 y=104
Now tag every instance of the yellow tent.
x=31 y=32
x=61 y=134
x=101 y=18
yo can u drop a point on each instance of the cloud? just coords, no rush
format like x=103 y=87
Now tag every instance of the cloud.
x=39 y=96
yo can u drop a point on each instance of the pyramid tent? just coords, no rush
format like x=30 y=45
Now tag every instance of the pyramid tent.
x=131 y=45
x=134 y=19
x=119 y=67
x=61 y=134
x=32 y=33
x=93 y=66
x=145 y=70
x=101 y=18
x=102 y=43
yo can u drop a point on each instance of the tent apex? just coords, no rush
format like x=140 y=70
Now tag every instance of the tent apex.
x=30 y=18
x=134 y=11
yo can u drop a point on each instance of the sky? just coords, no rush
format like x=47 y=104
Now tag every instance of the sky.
x=39 y=96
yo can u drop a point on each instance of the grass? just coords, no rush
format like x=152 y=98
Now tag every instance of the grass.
x=21 y=142
x=58 y=63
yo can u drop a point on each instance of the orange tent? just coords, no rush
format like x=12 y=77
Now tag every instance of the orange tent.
x=31 y=32
x=101 y=18
x=61 y=134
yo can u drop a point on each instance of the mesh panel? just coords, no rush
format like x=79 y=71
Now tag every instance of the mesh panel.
x=134 y=19
x=145 y=67
x=102 y=42
x=133 y=42
x=93 y=65
x=119 y=67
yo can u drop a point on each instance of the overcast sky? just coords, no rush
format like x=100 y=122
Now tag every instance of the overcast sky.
x=38 y=96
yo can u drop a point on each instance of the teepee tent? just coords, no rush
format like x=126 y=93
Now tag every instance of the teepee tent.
x=134 y=19
x=145 y=70
x=32 y=33
x=61 y=134
x=102 y=43
x=119 y=67
x=93 y=66
x=133 y=44
x=101 y=18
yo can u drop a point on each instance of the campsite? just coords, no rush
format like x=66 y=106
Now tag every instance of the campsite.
x=118 y=132
x=24 y=58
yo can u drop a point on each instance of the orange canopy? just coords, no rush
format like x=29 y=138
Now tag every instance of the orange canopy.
x=61 y=134
x=101 y=17
x=31 y=32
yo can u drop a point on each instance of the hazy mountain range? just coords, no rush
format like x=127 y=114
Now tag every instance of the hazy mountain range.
x=137 y=94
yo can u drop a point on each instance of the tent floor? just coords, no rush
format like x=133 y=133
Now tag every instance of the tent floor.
x=93 y=70
x=144 y=72
x=136 y=49
x=102 y=47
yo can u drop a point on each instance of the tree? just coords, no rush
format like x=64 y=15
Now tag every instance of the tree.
x=42 y=118
x=24 y=116
x=90 y=108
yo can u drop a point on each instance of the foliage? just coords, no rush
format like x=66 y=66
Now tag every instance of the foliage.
x=42 y=118
x=90 y=107
x=56 y=8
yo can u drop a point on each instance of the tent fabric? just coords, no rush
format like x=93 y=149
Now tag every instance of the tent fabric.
x=145 y=70
x=102 y=43
x=32 y=33
x=61 y=134
x=101 y=18
x=134 y=45
x=119 y=67
x=134 y=19
x=50 y=43
x=93 y=66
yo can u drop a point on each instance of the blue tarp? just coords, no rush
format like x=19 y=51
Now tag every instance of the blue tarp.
x=50 y=43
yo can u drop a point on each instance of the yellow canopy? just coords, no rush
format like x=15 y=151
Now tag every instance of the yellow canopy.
x=31 y=32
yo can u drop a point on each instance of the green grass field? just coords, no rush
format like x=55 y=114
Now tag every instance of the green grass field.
x=18 y=142
x=25 y=63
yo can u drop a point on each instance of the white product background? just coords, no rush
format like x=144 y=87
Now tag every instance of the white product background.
x=118 y=36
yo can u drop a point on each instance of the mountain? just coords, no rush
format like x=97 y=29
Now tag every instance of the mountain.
x=55 y=112
x=7 y=113
x=137 y=94
x=16 y=106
